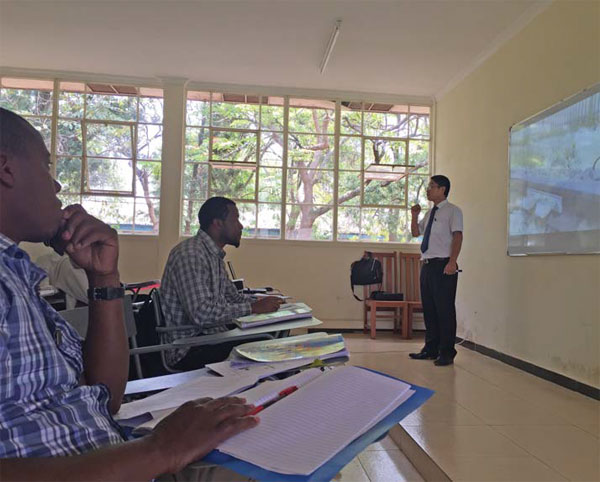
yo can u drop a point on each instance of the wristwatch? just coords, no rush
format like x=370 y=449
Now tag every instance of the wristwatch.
x=106 y=293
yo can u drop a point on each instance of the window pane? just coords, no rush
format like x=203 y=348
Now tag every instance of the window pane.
x=189 y=217
x=308 y=116
x=195 y=181
x=149 y=141
x=27 y=102
x=381 y=151
x=419 y=126
x=115 y=211
x=271 y=149
x=198 y=112
x=111 y=107
x=349 y=188
x=269 y=221
x=350 y=153
x=271 y=117
x=69 y=199
x=68 y=174
x=310 y=150
x=151 y=110
x=309 y=222
x=269 y=185
x=44 y=127
x=147 y=211
x=109 y=140
x=351 y=120
x=235 y=115
x=417 y=190
x=386 y=124
x=418 y=156
x=380 y=191
x=234 y=146
x=348 y=224
x=232 y=182
x=110 y=175
x=147 y=178
x=307 y=186
x=247 y=218
x=196 y=144
x=384 y=225
x=70 y=104
x=68 y=138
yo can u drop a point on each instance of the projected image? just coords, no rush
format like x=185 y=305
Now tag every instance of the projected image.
x=555 y=178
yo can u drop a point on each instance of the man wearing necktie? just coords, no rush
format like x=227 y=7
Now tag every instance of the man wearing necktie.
x=442 y=234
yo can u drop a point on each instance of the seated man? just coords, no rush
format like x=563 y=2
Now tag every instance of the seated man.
x=57 y=393
x=65 y=276
x=195 y=288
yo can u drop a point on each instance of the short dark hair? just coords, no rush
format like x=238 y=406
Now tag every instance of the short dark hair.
x=214 y=208
x=442 y=181
x=15 y=133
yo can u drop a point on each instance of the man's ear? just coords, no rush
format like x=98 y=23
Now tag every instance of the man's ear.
x=7 y=170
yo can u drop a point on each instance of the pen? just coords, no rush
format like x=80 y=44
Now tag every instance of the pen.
x=282 y=394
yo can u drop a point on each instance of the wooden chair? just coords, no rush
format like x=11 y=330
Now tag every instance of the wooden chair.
x=387 y=309
x=410 y=285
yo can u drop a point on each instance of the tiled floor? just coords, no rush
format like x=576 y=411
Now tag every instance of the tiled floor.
x=486 y=421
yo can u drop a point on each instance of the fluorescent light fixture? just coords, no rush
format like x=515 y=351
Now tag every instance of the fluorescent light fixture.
x=330 y=45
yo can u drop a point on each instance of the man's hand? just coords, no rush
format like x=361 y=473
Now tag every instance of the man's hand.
x=415 y=210
x=197 y=427
x=267 y=305
x=91 y=244
x=451 y=267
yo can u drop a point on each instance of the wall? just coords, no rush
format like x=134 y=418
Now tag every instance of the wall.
x=546 y=309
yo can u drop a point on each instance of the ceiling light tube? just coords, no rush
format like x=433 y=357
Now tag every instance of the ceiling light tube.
x=330 y=45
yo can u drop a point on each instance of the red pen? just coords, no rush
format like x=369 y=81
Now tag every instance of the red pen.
x=282 y=394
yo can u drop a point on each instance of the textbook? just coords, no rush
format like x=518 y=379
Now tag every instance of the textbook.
x=288 y=311
x=307 y=419
x=312 y=346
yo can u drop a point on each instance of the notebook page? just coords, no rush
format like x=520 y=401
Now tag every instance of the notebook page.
x=301 y=432
x=269 y=389
x=213 y=387
x=229 y=368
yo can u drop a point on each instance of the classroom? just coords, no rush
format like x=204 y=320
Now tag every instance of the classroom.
x=279 y=106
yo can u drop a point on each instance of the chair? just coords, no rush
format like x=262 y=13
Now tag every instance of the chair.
x=410 y=285
x=388 y=309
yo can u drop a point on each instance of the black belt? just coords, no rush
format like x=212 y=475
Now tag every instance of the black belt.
x=435 y=260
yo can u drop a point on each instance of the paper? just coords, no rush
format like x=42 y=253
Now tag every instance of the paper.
x=269 y=389
x=304 y=430
x=314 y=345
x=288 y=311
x=213 y=387
x=235 y=368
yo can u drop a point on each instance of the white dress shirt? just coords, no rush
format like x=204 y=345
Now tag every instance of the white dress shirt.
x=448 y=219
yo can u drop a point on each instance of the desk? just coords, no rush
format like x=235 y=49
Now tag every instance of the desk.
x=163 y=382
x=274 y=328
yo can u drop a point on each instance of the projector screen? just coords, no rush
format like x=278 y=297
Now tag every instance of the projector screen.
x=554 y=184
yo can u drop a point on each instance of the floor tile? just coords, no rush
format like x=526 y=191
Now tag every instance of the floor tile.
x=442 y=411
x=569 y=450
x=353 y=472
x=390 y=465
x=483 y=469
x=385 y=444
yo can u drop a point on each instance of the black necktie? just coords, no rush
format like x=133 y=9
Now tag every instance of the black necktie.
x=425 y=243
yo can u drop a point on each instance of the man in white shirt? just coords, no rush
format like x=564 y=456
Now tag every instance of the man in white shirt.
x=442 y=234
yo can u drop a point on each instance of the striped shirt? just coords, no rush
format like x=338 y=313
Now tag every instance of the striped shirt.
x=44 y=411
x=195 y=290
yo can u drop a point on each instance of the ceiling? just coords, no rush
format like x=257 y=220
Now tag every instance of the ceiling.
x=418 y=48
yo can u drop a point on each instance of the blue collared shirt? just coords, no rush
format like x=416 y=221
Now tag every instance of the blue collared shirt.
x=44 y=411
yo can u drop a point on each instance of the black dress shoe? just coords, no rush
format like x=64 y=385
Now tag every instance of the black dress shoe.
x=422 y=356
x=442 y=362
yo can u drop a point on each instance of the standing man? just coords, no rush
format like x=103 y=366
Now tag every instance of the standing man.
x=442 y=233
x=195 y=288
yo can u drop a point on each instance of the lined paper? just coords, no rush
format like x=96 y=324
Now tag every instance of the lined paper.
x=304 y=430
x=270 y=389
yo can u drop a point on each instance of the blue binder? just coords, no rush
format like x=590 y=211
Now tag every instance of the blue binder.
x=328 y=470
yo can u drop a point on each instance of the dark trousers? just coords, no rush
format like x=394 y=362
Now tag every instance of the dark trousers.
x=198 y=356
x=438 y=292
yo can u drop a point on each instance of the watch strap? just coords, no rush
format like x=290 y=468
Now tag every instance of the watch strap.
x=106 y=293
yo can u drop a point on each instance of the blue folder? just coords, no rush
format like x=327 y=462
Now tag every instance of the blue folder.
x=330 y=468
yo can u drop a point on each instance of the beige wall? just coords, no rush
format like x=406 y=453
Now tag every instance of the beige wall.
x=545 y=309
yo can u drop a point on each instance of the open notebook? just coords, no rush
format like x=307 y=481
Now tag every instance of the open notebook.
x=302 y=431
x=289 y=311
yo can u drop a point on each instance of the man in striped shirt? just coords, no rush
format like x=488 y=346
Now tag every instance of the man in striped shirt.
x=58 y=392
